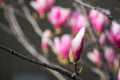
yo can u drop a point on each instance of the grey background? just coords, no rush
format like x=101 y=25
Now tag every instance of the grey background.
x=13 y=68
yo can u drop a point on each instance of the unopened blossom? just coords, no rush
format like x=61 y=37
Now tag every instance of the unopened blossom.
x=114 y=34
x=95 y=57
x=1 y=1
x=58 y=16
x=109 y=54
x=116 y=63
x=77 y=45
x=102 y=39
x=42 y=6
x=98 y=20
x=44 y=41
x=118 y=75
x=77 y=21
x=63 y=45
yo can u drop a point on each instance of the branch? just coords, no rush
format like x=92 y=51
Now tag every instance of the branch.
x=17 y=31
x=95 y=37
x=20 y=55
x=35 y=26
x=95 y=8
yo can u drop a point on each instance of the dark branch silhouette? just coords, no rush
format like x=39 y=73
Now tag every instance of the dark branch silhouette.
x=20 y=55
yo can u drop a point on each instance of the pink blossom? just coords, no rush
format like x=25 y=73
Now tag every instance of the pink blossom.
x=1 y=1
x=98 y=20
x=77 y=21
x=116 y=63
x=102 y=39
x=62 y=45
x=109 y=54
x=42 y=5
x=58 y=16
x=77 y=45
x=118 y=75
x=114 y=34
x=95 y=57
x=45 y=38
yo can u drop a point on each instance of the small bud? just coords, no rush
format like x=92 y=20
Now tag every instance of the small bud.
x=77 y=46
x=102 y=39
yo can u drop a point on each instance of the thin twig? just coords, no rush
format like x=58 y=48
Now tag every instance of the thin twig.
x=95 y=8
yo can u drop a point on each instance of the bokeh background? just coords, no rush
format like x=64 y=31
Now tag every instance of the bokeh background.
x=14 y=68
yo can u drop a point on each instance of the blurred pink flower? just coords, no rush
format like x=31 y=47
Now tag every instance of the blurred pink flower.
x=118 y=75
x=1 y=1
x=114 y=34
x=116 y=63
x=102 y=39
x=95 y=57
x=44 y=40
x=77 y=21
x=109 y=54
x=98 y=20
x=77 y=45
x=58 y=16
x=42 y=5
x=62 y=45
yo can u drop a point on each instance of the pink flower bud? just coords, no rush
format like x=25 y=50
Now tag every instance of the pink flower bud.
x=118 y=75
x=63 y=45
x=58 y=16
x=77 y=21
x=95 y=57
x=116 y=63
x=109 y=54
x=114 y=34
x=45 y=38
x=102 y=39
x=77 y=45
x=42 y=5
x=98 y=20
x=1 y=1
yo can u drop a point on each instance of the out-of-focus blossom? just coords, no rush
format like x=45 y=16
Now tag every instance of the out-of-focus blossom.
x=116 y=63
x=118 y=75
x=2 y=3
x=58 y=16
x=114 y=34
x=98 y=20
x=102 y=39
x=109 y=54
x=63 y=45
x=42 y=6
x=95 y=57
x=77 y=21
x=77 y=46
x=44 y=41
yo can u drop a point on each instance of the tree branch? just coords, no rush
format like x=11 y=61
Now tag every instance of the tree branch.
x=20 y=55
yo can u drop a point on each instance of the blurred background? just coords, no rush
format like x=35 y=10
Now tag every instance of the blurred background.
x=14 y=68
